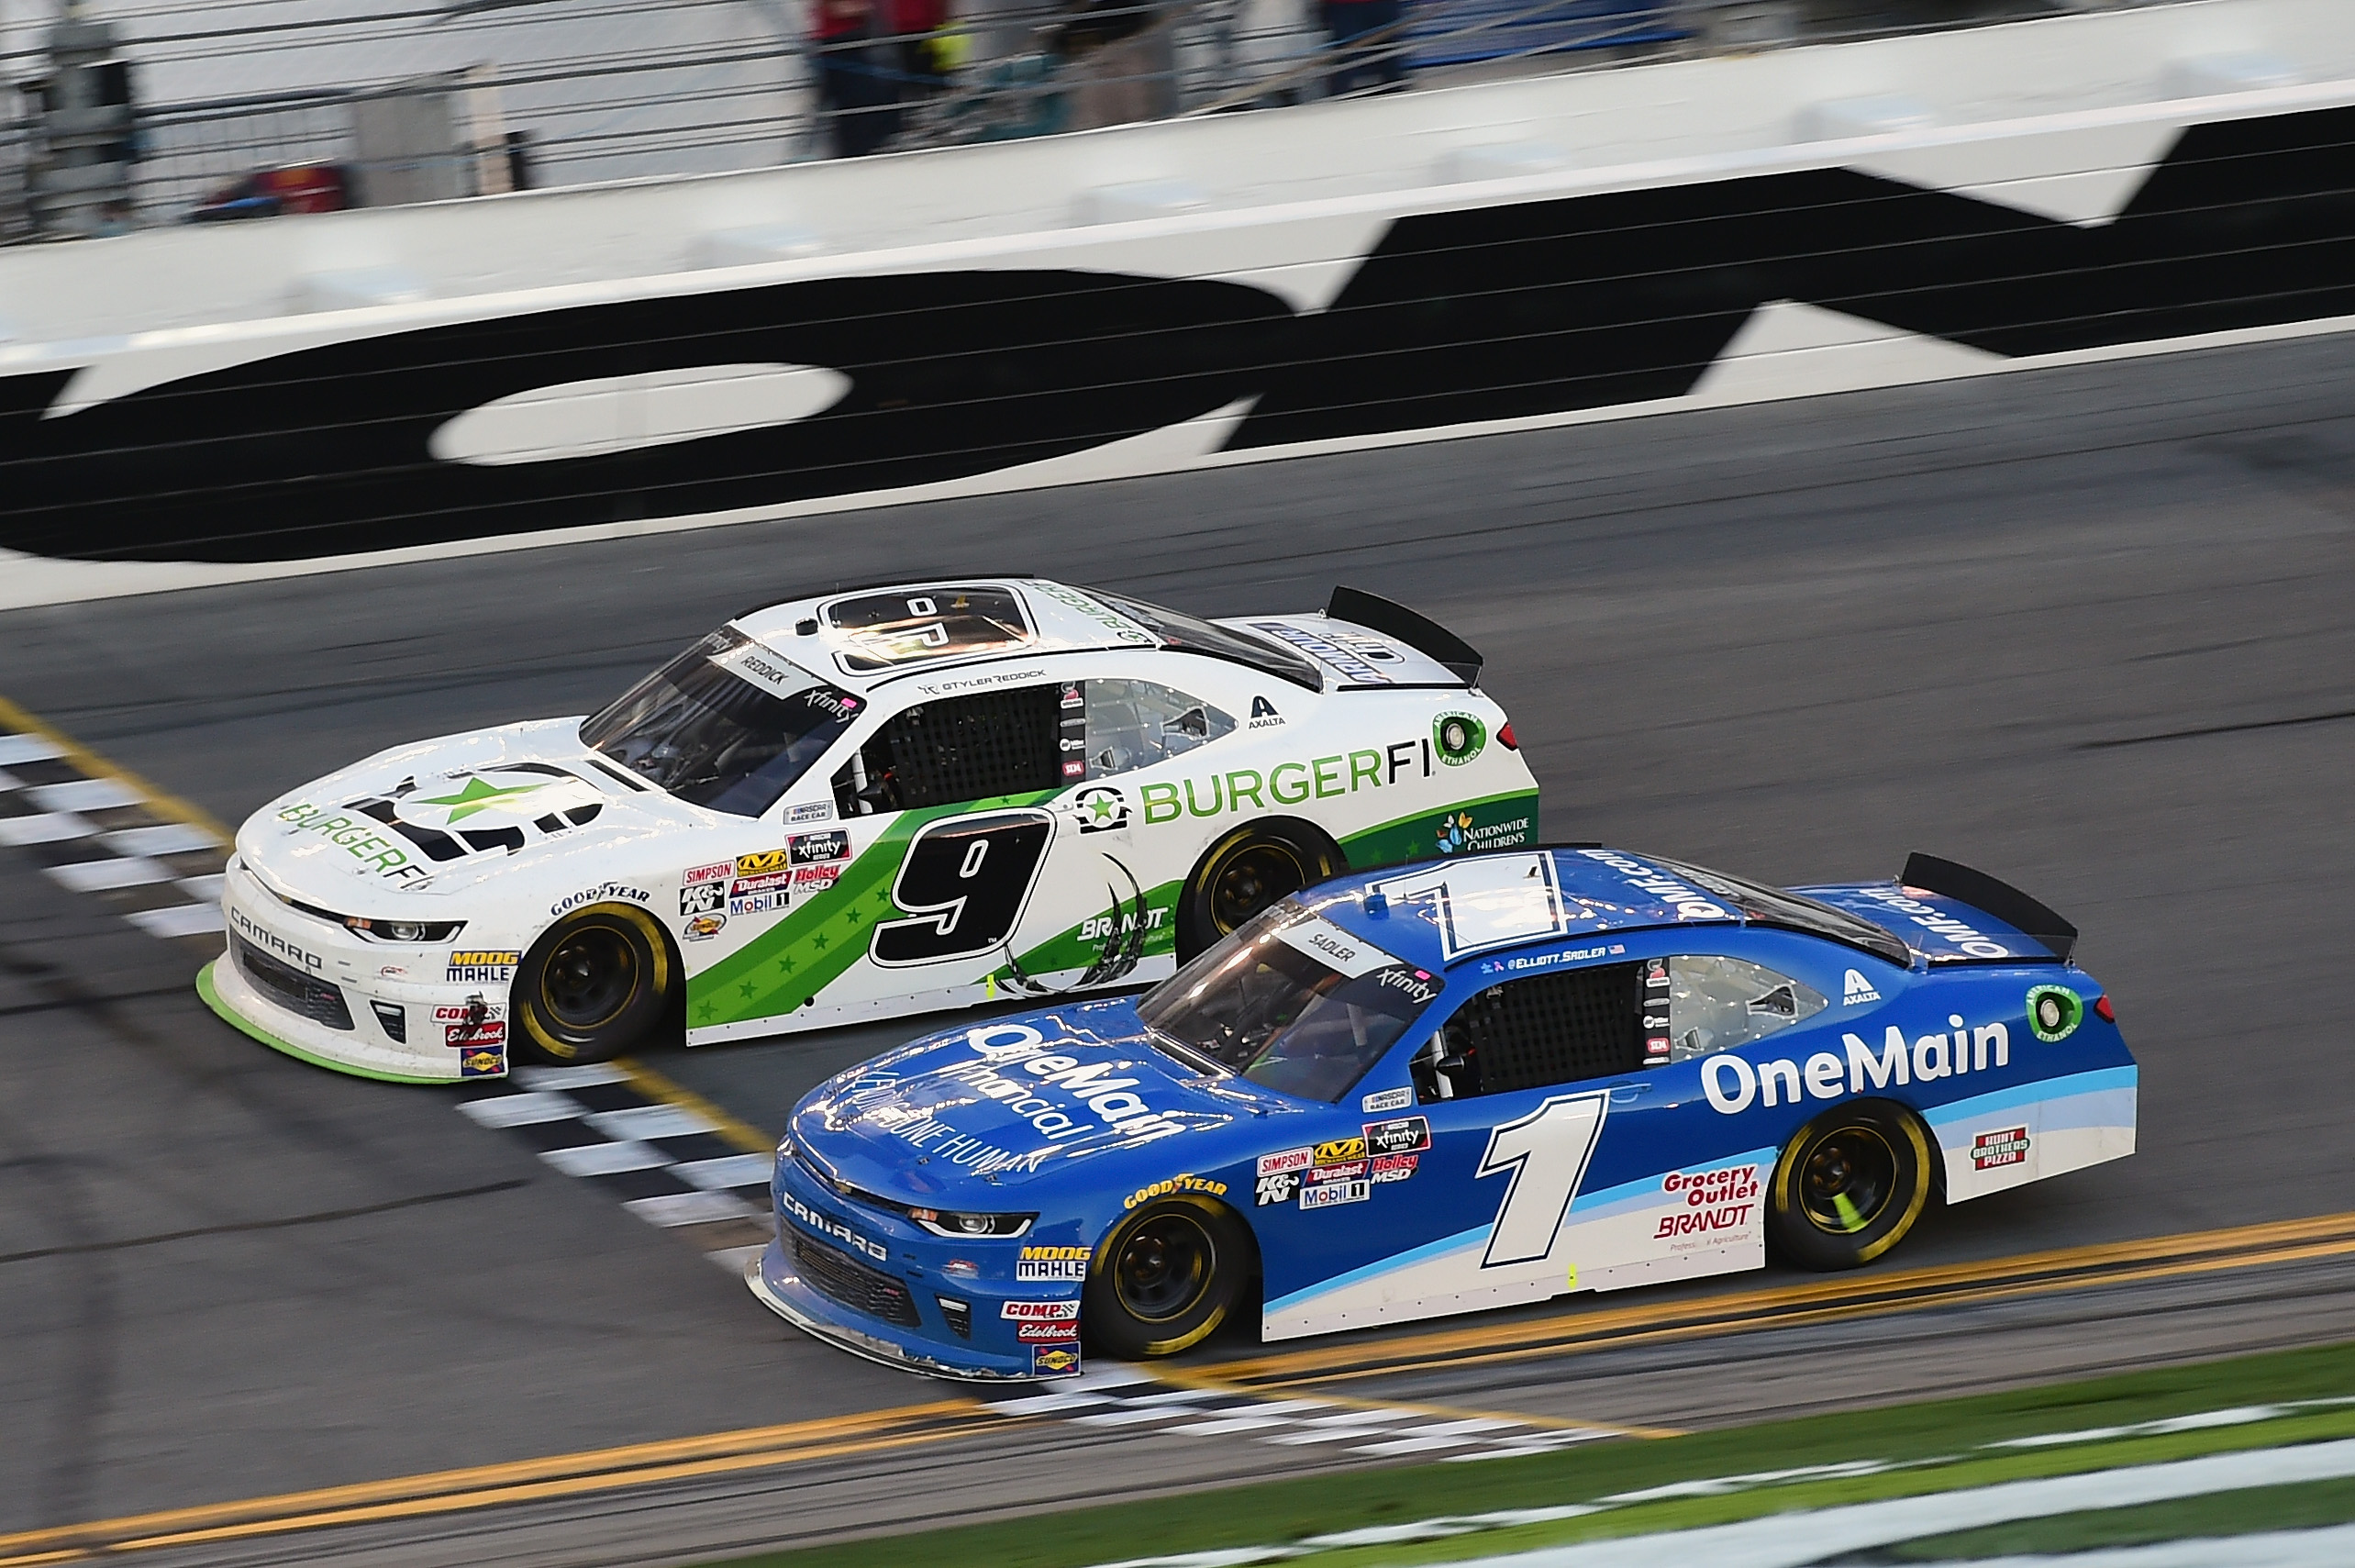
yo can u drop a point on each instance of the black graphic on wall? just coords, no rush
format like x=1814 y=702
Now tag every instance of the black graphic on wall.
x=1492 y=313
x=326 y=450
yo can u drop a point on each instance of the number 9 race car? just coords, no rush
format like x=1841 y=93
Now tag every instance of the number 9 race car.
x=855 y=805
x=1489 y=1080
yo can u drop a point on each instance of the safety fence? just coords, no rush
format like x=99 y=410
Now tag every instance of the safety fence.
x=260 y=107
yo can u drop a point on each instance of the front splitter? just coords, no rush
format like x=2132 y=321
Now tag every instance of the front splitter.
x=211 y=993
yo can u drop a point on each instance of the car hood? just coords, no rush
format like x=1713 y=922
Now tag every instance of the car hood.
x=1010 y=1101
x=445 y=816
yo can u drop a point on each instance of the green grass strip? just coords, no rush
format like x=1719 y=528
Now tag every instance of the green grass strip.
x=2308 y=1504
x=1936 y=1446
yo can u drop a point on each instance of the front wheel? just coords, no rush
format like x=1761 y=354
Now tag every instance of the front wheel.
x=1244 y=873
x=595 y=985
x=1165 y=1279
x=1848 y=1186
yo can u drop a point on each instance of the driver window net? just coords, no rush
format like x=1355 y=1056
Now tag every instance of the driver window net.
x=973 y=748
x=1549 y=1029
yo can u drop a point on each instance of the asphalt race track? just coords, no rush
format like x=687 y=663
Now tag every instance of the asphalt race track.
x=2086 y=628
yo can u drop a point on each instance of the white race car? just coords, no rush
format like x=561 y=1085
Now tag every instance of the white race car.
x=855 y=805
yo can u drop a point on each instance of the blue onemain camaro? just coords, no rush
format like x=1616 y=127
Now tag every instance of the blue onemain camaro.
x=1486 y=1080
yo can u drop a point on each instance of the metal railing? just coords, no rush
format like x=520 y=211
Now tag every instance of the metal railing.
x=603 y=89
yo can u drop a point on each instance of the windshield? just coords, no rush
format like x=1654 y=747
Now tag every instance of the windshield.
x=1773 y=906
x=1191 y=634
x=1291 y=1002
x=727 y=724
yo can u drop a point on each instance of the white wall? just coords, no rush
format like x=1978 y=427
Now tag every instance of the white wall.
x=1391 y=149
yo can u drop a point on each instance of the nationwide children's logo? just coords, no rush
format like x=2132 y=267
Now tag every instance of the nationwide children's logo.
x=1455 y=832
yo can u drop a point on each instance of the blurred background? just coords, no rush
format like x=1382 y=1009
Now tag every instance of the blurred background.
x=120 y=114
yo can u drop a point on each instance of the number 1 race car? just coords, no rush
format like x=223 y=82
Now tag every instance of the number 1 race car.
x=855 y=805
x=1488 y=1079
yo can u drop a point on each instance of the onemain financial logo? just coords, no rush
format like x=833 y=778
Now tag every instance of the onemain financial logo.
x=1732 y=1085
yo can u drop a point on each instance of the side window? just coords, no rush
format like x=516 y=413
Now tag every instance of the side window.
x=1696 y=1005
x=955 y=749
x=1129 y=725
x=1546 y=1029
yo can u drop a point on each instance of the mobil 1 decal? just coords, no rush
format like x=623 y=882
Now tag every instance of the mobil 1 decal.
x=1482 y=313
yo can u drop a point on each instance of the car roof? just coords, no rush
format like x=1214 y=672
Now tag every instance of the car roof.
x=859 y=638
x=1440 y=913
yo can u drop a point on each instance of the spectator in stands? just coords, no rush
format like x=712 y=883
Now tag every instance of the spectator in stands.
x=1369 y=38
x=858 y=75
x=924 y=45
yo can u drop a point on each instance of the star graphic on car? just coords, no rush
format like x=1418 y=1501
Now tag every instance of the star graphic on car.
x=480 y=794
x=1101 y=807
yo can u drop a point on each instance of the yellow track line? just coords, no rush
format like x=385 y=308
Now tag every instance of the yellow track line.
x=1565 y=1333
x=874 y=1431
x=515 y=1480
x=16 y=719
x=654 y=1085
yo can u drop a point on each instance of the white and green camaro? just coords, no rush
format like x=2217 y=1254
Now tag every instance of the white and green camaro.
x=876 y=802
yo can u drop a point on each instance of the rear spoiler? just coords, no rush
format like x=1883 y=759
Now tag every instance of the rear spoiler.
x=1421 y=633
x=2001 y=899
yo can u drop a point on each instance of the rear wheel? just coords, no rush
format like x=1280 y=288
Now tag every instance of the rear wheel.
x=1849 y=1186
x=1245 y=872
x=594 y=986
x=1165 y=1279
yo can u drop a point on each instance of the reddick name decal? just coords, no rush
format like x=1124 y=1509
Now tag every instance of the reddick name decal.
x=1486 y=313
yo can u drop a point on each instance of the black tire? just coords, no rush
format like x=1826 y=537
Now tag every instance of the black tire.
x=1848 y=1186
x=1244 y=873
x=599 y=983
x=1165 y=1278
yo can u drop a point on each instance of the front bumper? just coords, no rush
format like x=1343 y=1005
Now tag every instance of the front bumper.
x=991 y=1351
x=315 y=991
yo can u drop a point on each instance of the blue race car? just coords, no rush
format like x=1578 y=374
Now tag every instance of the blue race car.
x=1481 y=1081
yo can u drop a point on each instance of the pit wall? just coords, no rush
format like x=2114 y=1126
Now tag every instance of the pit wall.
x=201 y=405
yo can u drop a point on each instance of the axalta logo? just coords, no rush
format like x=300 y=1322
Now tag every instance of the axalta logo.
x=1175 y=1185
x=1686 y=901
x=1856 y=990
x=1971 y=941
x=1732 y=1085
x=826 y=1225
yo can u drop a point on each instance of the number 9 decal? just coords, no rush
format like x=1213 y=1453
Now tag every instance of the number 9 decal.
x=964 y=884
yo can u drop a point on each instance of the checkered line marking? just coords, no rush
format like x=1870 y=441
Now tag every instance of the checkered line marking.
x=667 y=1163
x=1128 y=1399
x=100 y=834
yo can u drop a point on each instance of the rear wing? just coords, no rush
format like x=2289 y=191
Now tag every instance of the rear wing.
x=2000 y=899
x=1419 y=632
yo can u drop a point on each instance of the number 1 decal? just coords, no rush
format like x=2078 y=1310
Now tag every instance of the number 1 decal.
x=1547 y=1152
x=964 y=884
